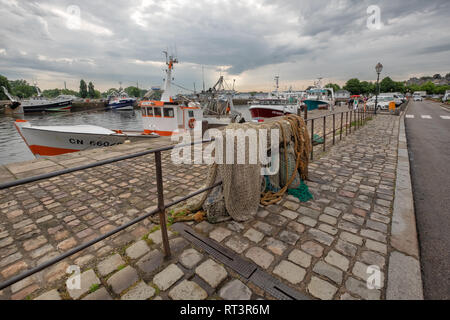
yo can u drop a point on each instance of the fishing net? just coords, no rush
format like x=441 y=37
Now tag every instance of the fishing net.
x=243 y=187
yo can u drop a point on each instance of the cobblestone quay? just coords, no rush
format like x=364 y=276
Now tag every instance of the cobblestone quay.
x=321 y=248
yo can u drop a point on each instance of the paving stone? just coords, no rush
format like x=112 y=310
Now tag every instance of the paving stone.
x=351 y=238
x=219 y=234
x=337 y=260
x=261 y=257
x=347 y=296
x=67 y=244
x=321 y=236
x=373 y=258
x=291 y=206
x=328 y=229
x=177 y=245
x=141 y=291
x=41 y=251
x=376 y=246
x=254 y=235
x=123 y=279
x=84 y=260
x=87 y=280
x=151 y=261
x=327 y=219
x=110 y=264
x=235 y=290
x=360 y=288
x=212 y=272
x=237 y=244
x=328 y=271
x=276 y=220
x=374 y=235
x=34 y=243
x=190 y=257
x=262 y=213
x=361 y=270
x=299 y=257
x=56 y=272
x=275 y=246
x=156 y=236
x=309 y=212
x=375 y=225
x=354 y=219
x=265 y=228
x=307 y=221
x=289 y=214
x=380 y=218
x=24 y=293
x=346 y=248
x=137 y=250
x=290 y=272
x=321 y=289
x=10 y=259
x=166 y=278
x=99 y=294
x=312 y=248
x=295 y=227
x=235 y=226
x=332 y=211
x=188 y=290
x=49 y=295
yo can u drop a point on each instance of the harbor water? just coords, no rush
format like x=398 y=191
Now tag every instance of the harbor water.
x=13 y=148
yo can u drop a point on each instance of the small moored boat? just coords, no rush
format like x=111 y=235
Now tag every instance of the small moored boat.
x=56 y=140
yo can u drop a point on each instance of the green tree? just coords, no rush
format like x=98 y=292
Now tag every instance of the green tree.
x=22 y=89
x=333 y=86
x=5 y=83
x=91 y=90
x=429 y=87
x=133 y=91
x=83 y=89
x=387 y=85
x=353 y=86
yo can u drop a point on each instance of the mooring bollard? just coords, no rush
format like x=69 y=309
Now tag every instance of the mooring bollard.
x=161 y=207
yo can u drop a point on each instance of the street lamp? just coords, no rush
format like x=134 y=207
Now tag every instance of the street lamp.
x=378 y=69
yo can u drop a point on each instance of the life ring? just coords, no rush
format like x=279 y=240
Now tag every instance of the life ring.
x=191 y=123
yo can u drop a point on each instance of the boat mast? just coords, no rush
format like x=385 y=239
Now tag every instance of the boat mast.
x=167 y=94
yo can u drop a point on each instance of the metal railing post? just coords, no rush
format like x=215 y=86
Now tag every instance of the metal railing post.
x=350 y=126
x=334 y=128
x=324 y=130
x=306 y=112
x=312 y=138
x=346 y=123
x=342 y=120
x=161 y=207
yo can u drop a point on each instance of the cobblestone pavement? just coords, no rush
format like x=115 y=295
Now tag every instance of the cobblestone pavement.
x=321 y=248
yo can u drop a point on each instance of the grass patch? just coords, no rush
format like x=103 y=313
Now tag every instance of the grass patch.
x=94 y=287
x=121 y=267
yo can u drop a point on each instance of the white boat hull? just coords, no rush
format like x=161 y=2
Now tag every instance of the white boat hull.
x=51 y=141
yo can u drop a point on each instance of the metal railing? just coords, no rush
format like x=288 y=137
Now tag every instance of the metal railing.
x=161 y=209
x=354 y=117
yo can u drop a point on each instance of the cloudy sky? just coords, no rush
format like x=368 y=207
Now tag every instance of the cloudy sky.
x=248 y=40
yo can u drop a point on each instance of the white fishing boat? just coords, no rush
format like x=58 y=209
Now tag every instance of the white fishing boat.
x=56 y=140
x=167 y=117
x=318 y=97
x=274 y=105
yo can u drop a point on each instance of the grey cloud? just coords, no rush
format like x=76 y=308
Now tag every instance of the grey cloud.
x=303 y=39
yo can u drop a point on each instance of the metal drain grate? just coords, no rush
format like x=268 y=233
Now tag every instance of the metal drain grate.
x=248 y=270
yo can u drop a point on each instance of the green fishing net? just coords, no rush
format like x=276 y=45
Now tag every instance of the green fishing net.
x=301 y=192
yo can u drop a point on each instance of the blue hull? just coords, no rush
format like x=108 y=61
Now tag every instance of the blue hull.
x=126 y=105
x=314 y=104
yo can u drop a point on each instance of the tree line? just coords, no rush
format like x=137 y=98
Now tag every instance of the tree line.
x=23 y=90
x=355 y=86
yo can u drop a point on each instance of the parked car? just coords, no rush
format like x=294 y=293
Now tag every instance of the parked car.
x=416 y=97
x=382 y=103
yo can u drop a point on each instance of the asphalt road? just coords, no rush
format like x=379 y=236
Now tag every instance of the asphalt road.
x=428 y=135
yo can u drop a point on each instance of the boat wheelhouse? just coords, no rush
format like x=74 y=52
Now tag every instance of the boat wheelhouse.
x=319 y=97
x=167 y=117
